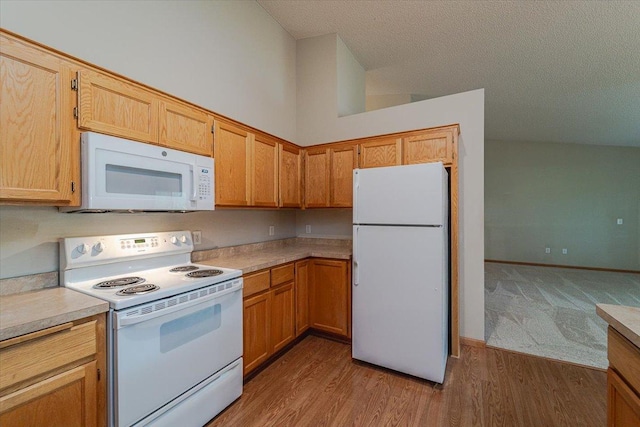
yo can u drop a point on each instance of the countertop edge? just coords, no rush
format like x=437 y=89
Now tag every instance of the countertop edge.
x=619 y=325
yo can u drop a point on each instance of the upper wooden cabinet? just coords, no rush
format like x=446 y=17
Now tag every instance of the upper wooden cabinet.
x=116 y=107
x=264 y=172
x=185 y=128
x=316 y=182
x=431 y=146
x=290 y=176
x=381 y=152
x=39 y=147
x=231 y=149
x=343 y=161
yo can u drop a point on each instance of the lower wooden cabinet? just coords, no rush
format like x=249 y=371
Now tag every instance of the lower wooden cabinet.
x=283 y=327
x=257 y=327
x=330 y=296
x=623 y=381
x=52 y=377
x=302 y=296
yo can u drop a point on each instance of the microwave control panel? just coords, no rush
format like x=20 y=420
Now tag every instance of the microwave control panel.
x=205 y=184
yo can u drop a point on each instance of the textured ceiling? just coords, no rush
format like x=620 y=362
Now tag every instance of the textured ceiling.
x=564 y=71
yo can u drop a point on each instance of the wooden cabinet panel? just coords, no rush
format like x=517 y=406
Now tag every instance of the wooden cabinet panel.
x=264 y=179
x=232 y=146
x=302 y=296
x=329 y=296
x=116 y=107
x=343 y=161
x=256 y=282
x=290 y=177
x=282 y=274
x=282 y=316
x=623 y=403
x=257 y=329
x=380 y=152
x=316 y=177
x=624 y=357
x=185 y=128
x=39 y=147
x=431 y=146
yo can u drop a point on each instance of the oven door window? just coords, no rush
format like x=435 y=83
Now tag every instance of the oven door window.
x=178 y=332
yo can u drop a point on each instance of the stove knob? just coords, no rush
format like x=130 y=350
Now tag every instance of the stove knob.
x=83 y=248
x=99 y=247
x=183 y=238
x=174 y=239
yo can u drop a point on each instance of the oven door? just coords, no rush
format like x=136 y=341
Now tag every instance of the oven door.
x=158 y=357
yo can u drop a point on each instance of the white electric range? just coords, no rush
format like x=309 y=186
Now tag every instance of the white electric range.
x=174 y=333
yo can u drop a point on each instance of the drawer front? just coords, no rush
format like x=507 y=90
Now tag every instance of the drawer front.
x=283 y=274
x=34 y=358
x=624 y=357
x=257 y=282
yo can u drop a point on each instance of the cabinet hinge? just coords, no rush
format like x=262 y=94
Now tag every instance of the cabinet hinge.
x=213 y=128
x=74 y=84
x=358 y=150
x=75 y=112
x=98 y=374
x=73 y=186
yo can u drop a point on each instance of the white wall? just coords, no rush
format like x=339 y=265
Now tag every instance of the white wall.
x=228 y=56
x=325 y=223
x=376 y=102
x=351 y=82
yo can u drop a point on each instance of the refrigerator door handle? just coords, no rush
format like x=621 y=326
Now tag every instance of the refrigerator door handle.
x=356 y=275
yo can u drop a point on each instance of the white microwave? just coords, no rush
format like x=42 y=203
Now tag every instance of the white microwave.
x=122 y=175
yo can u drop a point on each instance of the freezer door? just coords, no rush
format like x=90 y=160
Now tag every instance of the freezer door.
x=408 y=195
x=400 y=299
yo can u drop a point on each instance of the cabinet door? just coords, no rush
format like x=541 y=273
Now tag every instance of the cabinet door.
x=39 y=151
x=256 y=330
x=432 y=146
x=264 y=177
x=316 y=183
x=290 y=176
x=329 y=296
x=381 y=152
x=623 y=403
x=66 y=399
x=302 y=296
x=231 y=150
x=343 y=161
x=282 y=316
x=112 y=106
x=185 y=128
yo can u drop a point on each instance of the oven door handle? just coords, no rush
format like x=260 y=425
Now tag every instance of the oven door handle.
x=122 y=321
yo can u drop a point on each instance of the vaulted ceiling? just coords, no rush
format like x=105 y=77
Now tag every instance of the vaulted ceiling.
x=566 y=71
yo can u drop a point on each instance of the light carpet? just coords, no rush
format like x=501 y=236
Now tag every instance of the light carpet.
x=551 y=312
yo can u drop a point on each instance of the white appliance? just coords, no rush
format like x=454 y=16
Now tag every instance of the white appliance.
x=174 y=328
x=401 y=269
x=123 y=175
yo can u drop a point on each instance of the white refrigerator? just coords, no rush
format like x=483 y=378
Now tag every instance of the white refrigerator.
x=401 y=269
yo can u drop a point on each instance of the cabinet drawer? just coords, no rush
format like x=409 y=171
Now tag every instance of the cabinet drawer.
x=283 y=274
x=33 y=358
x=624 y=357
x=256 y=282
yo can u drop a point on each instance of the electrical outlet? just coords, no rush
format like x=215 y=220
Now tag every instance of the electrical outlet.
x=619 y=221
x=547 y=250
x=564 y=251
x=308 y=229
x=272 y=230
x=197 y=237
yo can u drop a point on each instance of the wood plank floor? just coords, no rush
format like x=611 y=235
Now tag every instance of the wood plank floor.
x=317 y=384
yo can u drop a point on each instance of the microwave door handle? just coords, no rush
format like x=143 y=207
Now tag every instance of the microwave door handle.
x=194 y=185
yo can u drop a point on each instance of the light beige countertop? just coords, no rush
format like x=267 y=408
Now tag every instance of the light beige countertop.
x=623 y=319
x=258 y=256
x=28 y=312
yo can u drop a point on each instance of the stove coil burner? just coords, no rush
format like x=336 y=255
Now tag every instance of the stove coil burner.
x=138 y=290
x=204 y=273
x=183 y=268
x=118 y=283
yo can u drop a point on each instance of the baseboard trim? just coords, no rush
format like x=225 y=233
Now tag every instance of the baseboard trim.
x=472 y=342
x=614 y=270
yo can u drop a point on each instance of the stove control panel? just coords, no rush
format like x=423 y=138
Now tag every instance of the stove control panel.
x=95 y=250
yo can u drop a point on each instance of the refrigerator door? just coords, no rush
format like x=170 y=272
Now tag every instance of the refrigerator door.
x=400 y=299
x=407 y=195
